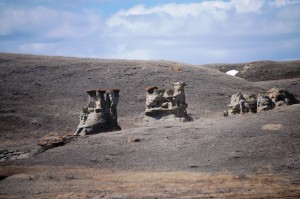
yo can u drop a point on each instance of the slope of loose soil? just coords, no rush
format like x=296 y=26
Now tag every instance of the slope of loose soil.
x=245 y=156
x=249 y=156
x=39 y=95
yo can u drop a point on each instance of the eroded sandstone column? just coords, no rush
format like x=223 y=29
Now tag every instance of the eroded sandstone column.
x=166 y=104
x=100 y=114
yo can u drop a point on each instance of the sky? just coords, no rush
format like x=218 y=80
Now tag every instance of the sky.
x=195 y=32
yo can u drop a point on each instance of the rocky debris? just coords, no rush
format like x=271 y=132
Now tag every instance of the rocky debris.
x=100 y=114
x=53 y=141
x=166 y=104
x=244 y=103
x=14 y=154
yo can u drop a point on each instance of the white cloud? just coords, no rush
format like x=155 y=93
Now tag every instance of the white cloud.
x=215 y=18
x=168 y=19
x=33 y=47
x=124 y=53
x=218 y=30
x=203 y=32
x=282 y=3
x=178 y=10
x=247 y=6
x=48 y=22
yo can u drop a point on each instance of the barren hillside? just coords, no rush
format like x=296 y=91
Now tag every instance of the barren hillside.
x=42 y=94
x=262 y=70
x=242 y=156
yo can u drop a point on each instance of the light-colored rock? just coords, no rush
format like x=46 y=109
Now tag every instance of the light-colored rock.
x=153 y=97
x=179 y=95
x=23 y=156
x=238 y=104
x=243 y=102
x=100 y=114
x=264 y=103
x=166 y=104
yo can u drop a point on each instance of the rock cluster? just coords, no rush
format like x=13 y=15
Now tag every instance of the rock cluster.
x=166 y=104
x=245 y=103
x=14 y=154
x=100 y=114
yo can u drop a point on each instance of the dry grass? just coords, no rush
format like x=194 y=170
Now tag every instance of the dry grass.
x=79 y=182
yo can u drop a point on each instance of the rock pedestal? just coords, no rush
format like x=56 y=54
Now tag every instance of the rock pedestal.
x=100 y=114
x=166 y=104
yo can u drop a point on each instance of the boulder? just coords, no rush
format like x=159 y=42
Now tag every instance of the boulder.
x=239 y=105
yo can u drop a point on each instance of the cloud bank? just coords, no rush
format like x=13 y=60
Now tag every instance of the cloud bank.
x=194 y=32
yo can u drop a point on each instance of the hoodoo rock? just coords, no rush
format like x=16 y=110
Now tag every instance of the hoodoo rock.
x=100 y=114
x=166 y=104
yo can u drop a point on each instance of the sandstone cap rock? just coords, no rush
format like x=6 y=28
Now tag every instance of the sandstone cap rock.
x=115 y=90
x=101 y=91
x=150 y=89
x=91 y=92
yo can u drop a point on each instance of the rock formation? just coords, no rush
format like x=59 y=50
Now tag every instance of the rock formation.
x=264 y=102
x=244 y=103
x=100 y=114
x=166 y=104
x=238 y=104
x=282 y=97
x=52 y=141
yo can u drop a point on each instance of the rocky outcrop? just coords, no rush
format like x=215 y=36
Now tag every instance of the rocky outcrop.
x=244 y=103
x=281 y=97
x=166 y=104
x=52 y=141
x=14 y=154
x=100 y=114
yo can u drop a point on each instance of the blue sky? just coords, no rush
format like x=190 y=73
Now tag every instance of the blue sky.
x=196 y=32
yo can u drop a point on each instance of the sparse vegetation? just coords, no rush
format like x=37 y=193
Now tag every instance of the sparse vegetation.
x=245 y=156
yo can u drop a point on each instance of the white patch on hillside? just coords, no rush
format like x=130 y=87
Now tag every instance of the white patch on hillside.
x=232 y=72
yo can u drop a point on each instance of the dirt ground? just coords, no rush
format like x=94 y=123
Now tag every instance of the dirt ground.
x=244 y=156
x=83 y=182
